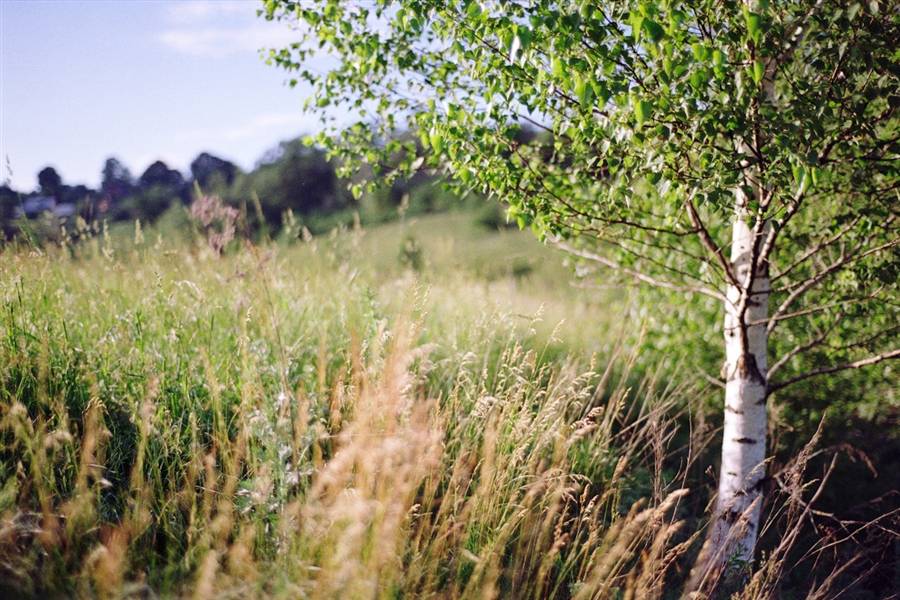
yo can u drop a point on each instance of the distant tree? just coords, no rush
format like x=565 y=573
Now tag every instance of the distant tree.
x=295 y=176
x=148 y=204
x=117 y=182
x=160 y=174
x=9 y=200
x=49 y=181
x=157 y=188
x=208 y=170
x=78 y=194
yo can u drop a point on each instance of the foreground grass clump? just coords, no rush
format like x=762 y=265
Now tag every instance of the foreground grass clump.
x=256 y=425
x=287 y=423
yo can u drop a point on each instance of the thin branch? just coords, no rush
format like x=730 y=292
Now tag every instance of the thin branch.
x=783 y=317
x=822 y=244
x=872 y=360
x=620 y=243
x=713 y=380
x=710 y=244
x=800 y=32
x=818 y=341
x=540 y=179
x=869 y=340
x=638 y=275
x=834 y=267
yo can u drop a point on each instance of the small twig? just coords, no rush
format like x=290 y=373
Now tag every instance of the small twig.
x=713 y=380
x=640 y=276
x=773 y=387
x=710 y=244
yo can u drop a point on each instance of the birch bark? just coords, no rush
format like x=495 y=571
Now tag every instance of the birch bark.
x=744 y=436
x=739 y=500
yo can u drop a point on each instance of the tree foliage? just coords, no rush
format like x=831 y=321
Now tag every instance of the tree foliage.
x=117 y=181
x=293 y=176
x=212 y=171
x=49 y=181
x=160 y=174
x=748 y=152
x=657 y=116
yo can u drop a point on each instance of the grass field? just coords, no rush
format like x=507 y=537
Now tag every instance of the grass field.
x=420 y=410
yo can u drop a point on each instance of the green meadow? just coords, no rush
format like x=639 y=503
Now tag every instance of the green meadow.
x=423 y=409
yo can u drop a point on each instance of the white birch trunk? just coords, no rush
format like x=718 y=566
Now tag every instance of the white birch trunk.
x=744 y=443
x=739 y=499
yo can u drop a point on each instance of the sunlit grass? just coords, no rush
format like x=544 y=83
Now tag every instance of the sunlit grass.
x=321 y=420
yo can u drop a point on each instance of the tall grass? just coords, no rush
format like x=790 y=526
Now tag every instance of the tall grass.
x=278 y=422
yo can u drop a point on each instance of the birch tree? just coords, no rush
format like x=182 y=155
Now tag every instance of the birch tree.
x=748 y=152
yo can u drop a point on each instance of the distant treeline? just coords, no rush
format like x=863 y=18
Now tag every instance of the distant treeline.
x=292 y=180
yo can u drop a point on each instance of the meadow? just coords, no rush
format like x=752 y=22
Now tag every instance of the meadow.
x=424 y=409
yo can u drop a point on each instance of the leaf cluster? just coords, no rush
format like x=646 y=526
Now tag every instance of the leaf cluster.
x=663 y=121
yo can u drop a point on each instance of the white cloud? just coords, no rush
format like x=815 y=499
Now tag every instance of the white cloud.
x=261 y=124
x=219 y=28
x=218 y=41
x=192 y=12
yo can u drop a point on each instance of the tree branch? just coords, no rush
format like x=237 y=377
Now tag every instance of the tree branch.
x=818 y=341
x=638 y=275
x=807 y=311
x=834 y=267
x=822 y=244
x=710 y=244
x=872 y=360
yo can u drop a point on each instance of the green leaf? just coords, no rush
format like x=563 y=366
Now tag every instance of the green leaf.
x=701 y=52
x=718 y=58
x=637 y=24
x=654 y=30
x=642 y=111
x=800 y=174
x=584 y=92
x=816 y=174
x=559 y=69
x=601 y=90
x=437 y=141
x=753 y=25
x=699 y=80
x=719 y=64
x=524 y=37
x=759 y=71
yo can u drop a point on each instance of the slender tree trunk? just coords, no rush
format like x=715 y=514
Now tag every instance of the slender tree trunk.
x=736 y=523
x=744 y=442
x=739 y=502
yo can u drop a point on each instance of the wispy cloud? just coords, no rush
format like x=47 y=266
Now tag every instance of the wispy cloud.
x=260 y=124
x=191 y=12
x=218 y=29
x=273 y=125
x=218 y=42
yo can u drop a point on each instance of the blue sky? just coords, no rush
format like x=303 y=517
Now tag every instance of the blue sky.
x=141 y=80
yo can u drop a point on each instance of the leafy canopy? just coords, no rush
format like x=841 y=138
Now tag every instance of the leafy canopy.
x=654 y=114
